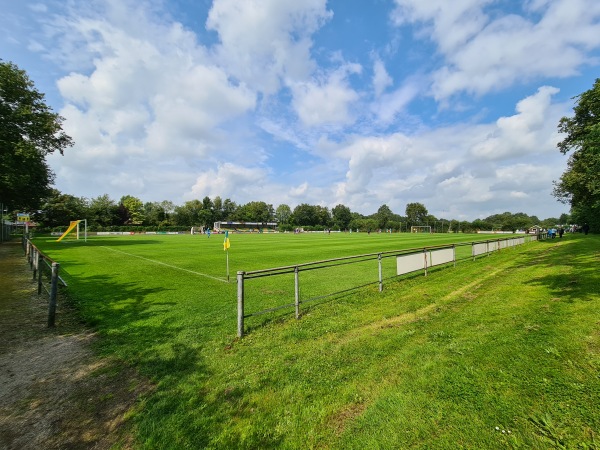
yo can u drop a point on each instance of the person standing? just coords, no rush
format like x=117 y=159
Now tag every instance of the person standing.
x=586 y=228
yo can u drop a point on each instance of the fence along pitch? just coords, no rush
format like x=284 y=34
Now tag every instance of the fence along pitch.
x=417 y=259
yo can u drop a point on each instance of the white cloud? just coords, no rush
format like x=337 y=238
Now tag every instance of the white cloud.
x=462 y=164
x=381 y=78
x=485 y=53
x=148 y=95
x=229 y=181
x=527 y=132
x=266 y=41
x=388 y=106
x=326 y=102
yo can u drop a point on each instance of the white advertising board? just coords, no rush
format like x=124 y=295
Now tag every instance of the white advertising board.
x=410 y=263
x=442 y=256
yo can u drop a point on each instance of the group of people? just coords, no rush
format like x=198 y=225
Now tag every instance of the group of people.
x=552 y=232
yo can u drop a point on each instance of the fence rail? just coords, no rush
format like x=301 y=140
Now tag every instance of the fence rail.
x=407 y=261
x=46 y=273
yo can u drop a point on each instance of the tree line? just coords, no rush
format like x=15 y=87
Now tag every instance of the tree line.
x=130 y=213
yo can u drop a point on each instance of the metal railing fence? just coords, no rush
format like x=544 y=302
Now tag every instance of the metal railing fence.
x=332 y=277
x=46 y=273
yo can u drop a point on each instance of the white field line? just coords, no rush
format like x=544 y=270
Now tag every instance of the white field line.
x=165 y=264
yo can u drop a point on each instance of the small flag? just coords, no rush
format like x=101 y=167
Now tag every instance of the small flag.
x=226 y=241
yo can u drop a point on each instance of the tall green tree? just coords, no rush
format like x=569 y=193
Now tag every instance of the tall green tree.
x=342 y=216
x=133 y=210
x=189 y=214
x=29 y=131
x=383 y=216
x=59 y=209
x=103 y=212
x=255 y=212
x=305 y=215
x=283 y=213
x=579 y=185
x=416 y=214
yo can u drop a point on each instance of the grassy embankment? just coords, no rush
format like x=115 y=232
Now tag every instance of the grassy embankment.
x=502 y=352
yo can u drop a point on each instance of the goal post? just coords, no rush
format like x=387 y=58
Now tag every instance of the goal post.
x=75 y=224
x=421 y=229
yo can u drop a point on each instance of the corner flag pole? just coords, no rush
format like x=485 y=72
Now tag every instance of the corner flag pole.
x=226 y=248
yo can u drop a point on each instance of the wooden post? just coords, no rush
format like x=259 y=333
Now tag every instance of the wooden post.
x=53 y=294
x=297 y=291
x=240 y=304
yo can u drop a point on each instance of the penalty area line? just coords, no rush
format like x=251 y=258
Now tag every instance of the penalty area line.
x=165 y=264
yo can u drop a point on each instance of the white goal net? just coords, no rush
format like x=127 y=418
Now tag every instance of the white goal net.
x=421 y=229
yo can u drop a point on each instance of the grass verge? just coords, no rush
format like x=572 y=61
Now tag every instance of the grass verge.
x=502 y=352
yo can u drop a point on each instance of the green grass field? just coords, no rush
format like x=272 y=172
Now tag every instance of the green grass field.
x=502 y=352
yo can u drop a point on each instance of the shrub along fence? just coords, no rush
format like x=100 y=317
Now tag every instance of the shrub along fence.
x=334 y=277
x=46 y=272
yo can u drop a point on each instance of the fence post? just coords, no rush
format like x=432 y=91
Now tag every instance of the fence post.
x=39 y=277
x=36 y=262
x=380 y=273
x=240 y=304
x=297 y=291
x=53 y=293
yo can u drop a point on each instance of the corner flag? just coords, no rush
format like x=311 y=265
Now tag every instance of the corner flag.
x=226 y=241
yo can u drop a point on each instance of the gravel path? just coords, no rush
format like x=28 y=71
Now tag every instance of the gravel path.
x=55 y=393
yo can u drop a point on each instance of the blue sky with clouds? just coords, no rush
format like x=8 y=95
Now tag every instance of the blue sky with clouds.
x=363 y=103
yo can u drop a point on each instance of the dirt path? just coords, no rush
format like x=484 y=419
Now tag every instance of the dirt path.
x=55 y=393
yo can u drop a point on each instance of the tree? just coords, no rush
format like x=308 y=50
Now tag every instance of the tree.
x=207 y=216
x=579 y=185
x=305 y=215
x=255 y=212
x=189 y=214
x=59 y=209
x=103 y=212
x=218 y=209
x=283 y=213
x=323 y=216
x=416 y=213
x=229 y=209
x=383 y=216
x=133 y=210
x=29 y=131
x=341 y=216
x=153 y=213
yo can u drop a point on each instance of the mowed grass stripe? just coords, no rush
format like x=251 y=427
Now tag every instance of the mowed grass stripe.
x=154 y=261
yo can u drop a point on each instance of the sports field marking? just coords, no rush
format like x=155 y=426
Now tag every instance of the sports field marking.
x=165 y=264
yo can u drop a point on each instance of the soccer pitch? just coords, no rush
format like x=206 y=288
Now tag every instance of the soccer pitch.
x=190 y=271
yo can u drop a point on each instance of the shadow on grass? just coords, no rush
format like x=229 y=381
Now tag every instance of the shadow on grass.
x=142 y=327
x=99 y=242
x=579 y=255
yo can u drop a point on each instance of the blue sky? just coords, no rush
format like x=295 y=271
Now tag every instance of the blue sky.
x=454 y=105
